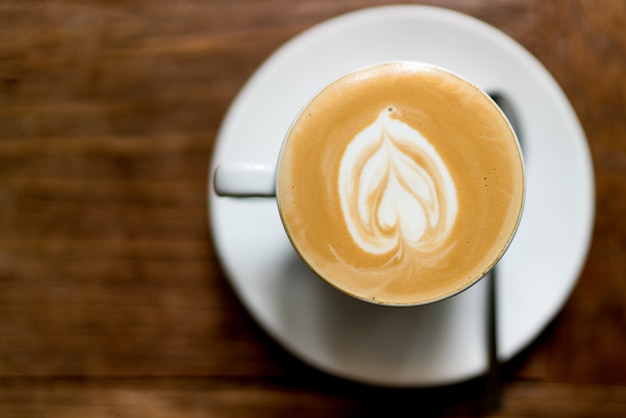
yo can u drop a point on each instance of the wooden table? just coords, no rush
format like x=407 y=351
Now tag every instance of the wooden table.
x=112 y=302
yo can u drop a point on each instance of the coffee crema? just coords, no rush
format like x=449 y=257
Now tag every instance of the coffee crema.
x=400 y=184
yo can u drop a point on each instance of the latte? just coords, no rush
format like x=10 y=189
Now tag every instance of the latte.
x=400 y=184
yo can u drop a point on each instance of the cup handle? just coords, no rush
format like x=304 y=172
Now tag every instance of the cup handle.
x=245 y=180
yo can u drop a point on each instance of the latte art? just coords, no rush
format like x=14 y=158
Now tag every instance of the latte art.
x=400 y=184
x=395 y=190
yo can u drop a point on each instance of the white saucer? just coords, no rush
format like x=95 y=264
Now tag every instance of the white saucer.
x=441 y=343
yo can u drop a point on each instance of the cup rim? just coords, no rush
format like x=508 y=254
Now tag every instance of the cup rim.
x=440 y=297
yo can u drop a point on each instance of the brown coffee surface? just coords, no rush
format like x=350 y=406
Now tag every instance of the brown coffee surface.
x=400 y=184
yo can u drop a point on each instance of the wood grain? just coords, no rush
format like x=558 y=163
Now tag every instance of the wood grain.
x=112 y=300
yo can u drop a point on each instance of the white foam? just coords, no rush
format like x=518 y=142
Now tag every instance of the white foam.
x=395 y=189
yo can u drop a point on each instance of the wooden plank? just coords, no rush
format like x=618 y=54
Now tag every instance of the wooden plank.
x=112 y=299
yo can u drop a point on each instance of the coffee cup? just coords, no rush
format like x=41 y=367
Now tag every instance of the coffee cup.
x=399 y=184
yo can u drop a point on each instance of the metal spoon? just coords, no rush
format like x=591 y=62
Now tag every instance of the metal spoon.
x=494 y=384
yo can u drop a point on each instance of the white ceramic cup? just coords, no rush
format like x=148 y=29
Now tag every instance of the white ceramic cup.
x=254 y=179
